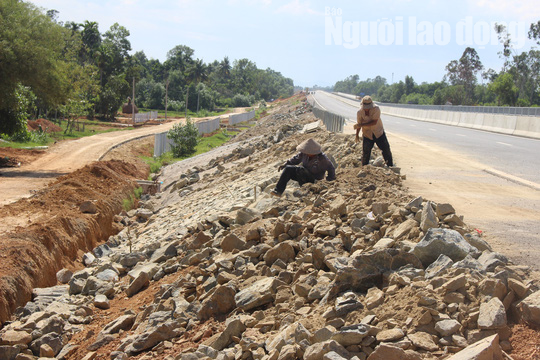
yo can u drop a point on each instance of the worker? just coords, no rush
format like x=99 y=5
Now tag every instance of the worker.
x=368 y=118
x=314 y=164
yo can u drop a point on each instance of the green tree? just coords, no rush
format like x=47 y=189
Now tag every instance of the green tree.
x=505 y=89
x=464 y=71
x=31 y=48
x=184 y=138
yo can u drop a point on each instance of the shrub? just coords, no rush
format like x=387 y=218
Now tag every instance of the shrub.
x=184 y=138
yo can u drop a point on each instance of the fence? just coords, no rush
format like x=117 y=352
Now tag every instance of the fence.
x=142 y=117
x=207 y=126
x=235 y=119
x=162 y=144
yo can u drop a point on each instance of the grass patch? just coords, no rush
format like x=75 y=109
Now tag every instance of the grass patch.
x=129 y=203
x=82 y=129
x=204 y=144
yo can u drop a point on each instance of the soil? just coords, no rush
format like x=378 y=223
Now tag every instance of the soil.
x=45 y=125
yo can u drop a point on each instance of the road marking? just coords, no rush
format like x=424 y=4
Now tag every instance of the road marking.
x=432 y=129
x=498 y=142
x=412 y=125
x=461 y=135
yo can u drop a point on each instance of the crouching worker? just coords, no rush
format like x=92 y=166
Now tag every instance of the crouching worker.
x=314 y=164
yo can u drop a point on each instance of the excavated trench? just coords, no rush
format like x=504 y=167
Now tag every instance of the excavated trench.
x=49 y=231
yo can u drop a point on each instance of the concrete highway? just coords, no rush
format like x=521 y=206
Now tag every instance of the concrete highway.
x=491 y=179
x=515 y=156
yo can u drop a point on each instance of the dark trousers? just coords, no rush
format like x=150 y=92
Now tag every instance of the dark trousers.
x=293 y=172
x=382 y=143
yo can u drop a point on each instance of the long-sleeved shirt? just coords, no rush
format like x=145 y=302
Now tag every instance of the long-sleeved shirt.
x=316 y=165
x=370 y=130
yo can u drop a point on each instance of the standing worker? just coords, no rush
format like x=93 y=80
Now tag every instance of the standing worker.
x=368 y=118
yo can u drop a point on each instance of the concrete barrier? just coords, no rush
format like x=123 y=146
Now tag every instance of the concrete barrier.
x=505 y=124
x=527 y=126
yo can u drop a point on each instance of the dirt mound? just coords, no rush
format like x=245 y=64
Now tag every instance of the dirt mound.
x=45 y=125
x=52 y=232
x=13 y=157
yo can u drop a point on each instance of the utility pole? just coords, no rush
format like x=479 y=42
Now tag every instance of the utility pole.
x=392 y=78
x=133 y=103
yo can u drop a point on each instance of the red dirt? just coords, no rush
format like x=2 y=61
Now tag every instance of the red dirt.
x=526 y=343
x=22 y=156
x=48 y=232
x=46 y=125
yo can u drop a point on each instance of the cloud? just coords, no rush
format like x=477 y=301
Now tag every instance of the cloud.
x=297 y=7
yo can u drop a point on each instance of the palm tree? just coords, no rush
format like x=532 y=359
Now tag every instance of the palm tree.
x=200 y=73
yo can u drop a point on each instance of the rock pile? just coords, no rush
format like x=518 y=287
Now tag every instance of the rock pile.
x=351 y=269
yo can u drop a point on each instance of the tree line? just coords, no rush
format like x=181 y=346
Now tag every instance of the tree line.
x=517 y=83
x=72 y=69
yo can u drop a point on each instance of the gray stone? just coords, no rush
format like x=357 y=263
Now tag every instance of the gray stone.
x=404 y=228
x=390 y=335
x=442 y=241
x=492 y=315
x=423 y=340
x=444 y=209
x=260 y=293
x=12 y=337
x=392 y=352
x=437 y=267
x=9 y=352
x=200 y=240
x=164 y=253
x=101 y=302
x=141 y=281
x=283 y=251
x=351 y=335
x=486 y=349
x=429 y=219
x=219 y=302
x=374 y=298
x=292 y=334
x=234 y=328
x=124 y=322
x=144 y=213
x=318 y=350
x=151 y=337
x=247 y=215
x=88 y=259
x=63 y=276
x=530 y=308
x=415 y=203
x=131 y=259
x=447 y=327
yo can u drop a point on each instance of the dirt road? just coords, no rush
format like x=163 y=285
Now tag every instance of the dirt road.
x=63 y=158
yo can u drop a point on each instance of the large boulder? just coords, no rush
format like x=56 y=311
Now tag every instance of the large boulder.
x=530 y=308
x=442 y=241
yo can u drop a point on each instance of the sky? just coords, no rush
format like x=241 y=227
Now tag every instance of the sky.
x=316 y=42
